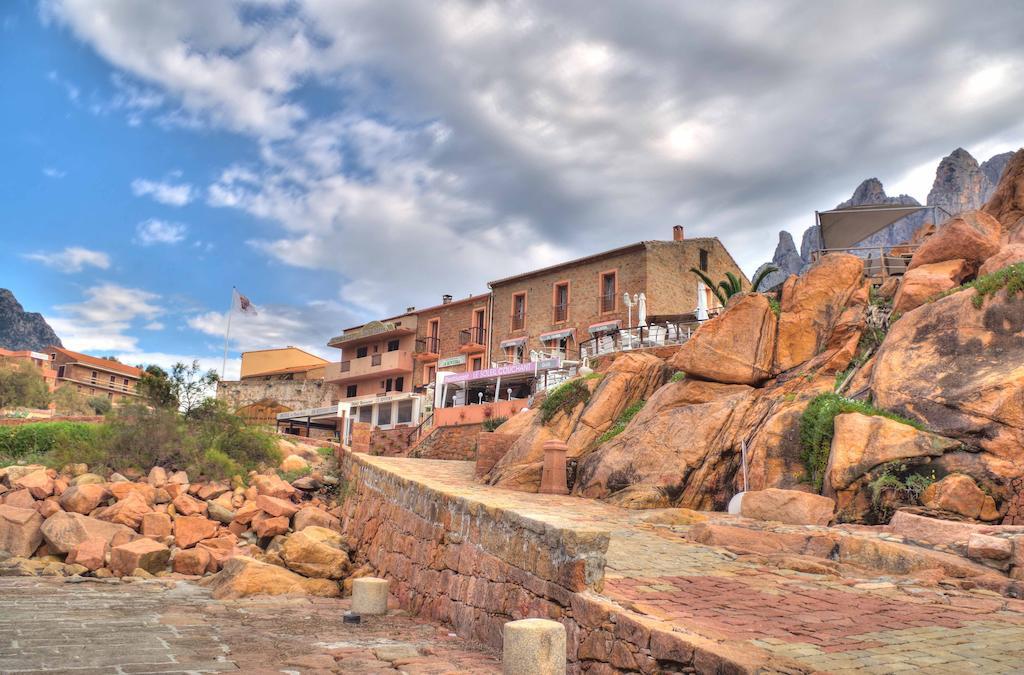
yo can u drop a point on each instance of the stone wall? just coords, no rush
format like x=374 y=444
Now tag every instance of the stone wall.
x=294 y=394
x=451 y=442
x=474 y=565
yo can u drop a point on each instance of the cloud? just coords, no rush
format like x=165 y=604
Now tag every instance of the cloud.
x=153 y=231
x=550 y=130
x=165 y=193
x=166 y=360
x=72 y=259
x=51 y=172
x=101 y=322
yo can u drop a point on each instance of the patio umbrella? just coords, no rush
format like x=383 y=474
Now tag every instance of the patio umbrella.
x=702 y=301
x=641 y=312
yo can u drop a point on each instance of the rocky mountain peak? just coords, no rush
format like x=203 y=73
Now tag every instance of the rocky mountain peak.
x=960 y=184
x=23 y=330
x=871 y=191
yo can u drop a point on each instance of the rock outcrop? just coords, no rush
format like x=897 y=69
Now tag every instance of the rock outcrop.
x=787 y=506
x=1007 y=202
x=926 y=282
x=787 y=260
x=973 y=236
x=21 y=330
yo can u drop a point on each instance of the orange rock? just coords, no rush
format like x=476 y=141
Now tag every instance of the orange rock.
x=38 y=483
x=90 y=553
x=926 y=282
x=275 y=506
x=267 y=526
x=972 y=236
x=243 y=577
x=63 y=531
x=1007 y=255
x=189 y=530
x=175 y=489
x=311 y=516
x=60 y=484
x=189 y=506
x=272 y=486
x=212 y=490
x=245 y=513
x=142 y=553
x=787 y=506
x=20 y=530
x=955 y=493
x=128 y=511
x=157 y=477
x=193 y=561
x=21 y=499
x=84 y=498
x=156 y=525
x=1007 y=202
x=48 y=507
x=220 y=549
x=810 y=306
x=122 y=490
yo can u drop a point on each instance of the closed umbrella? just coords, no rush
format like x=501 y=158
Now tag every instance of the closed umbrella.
x=702 y=301
x=641 y=312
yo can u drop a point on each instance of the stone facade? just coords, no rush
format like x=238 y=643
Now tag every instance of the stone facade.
x=93 y=376
x=451 y=319
x=293 y=394
x=450 y=442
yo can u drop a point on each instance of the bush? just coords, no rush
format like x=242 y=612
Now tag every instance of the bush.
x=493 y=423
x=216 y=463
x=620 y=424
x=35 y=440
x=908 y=487
x=249 y=447
x=564 y=398
x=677 y=377
x=101 y=405
x=817 y=426
x=1011 y=278
x=22 y=386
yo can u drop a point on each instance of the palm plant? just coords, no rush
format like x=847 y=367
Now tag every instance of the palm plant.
x=732 y=284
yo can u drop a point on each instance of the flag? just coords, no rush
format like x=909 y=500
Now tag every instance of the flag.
x=242 y=304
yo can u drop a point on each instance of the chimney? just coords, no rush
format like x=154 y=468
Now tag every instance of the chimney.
x=411 y=308
x=446 y=299
x=677 y=233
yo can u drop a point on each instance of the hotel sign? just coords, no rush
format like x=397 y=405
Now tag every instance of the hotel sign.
x=452 y=361
x=309 y=412
x=505 y=371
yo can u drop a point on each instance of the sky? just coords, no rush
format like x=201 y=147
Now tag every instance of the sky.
x=340 y=160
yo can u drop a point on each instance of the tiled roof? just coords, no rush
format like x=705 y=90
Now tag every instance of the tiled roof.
x=107 y=364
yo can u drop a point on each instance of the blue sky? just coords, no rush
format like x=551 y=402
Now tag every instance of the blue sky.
x=340 y=161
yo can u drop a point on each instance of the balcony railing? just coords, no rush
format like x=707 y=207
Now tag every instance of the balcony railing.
x=561 y=312
x=428 y=345
x=389 y=363
x=474 y=335
x=608 y=302
x=624 y=339
x=518 y=321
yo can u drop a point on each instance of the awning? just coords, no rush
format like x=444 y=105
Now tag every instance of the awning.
x=514 y=342
x=557 y=334
x=604 y=326
x=846 y=227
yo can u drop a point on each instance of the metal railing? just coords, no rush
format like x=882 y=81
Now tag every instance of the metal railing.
x=518 y=321
x=881 y=262
x=561 y=312
x=418 y=430
x=474 y=335
x=428 y=345
x=624 y=339
x=375 y=360
x=608 y=302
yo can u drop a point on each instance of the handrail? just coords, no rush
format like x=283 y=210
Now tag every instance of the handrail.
x=429 y=344
x=474 y=335
x=418 y=430
x=653 y=335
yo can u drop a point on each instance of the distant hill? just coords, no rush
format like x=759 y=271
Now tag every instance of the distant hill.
x=23 y=330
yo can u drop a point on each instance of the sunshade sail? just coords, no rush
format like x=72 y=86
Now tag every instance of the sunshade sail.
x=845 y=228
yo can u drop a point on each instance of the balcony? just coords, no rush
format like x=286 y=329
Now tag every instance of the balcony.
x=607 y=302
x=472 y=340
x=518 y=321
x=561 y=312
x=399 y=362
x=428 y=349
x=375 y=331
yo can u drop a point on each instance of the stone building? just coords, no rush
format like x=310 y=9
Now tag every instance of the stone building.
x=451 y=337
x=556 y=308
x=93 y=376
x=277 y=380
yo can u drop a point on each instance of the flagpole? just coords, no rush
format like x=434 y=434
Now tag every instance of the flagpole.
x=227 y=331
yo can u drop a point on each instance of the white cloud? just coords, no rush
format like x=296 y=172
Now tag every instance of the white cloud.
x=307 y=327
x=103 y=320
x=153 y=231
x=154 y=325
x=72 y=259
x=167 y=360
x=51 y=172
x=166 y=193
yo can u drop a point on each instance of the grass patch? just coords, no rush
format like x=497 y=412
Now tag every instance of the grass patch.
x=1011 y=278
x=677 y=377
x=776 y=307
x=907 y=487
x=817 y=427
x=620 y=424
x=564 y=398
x=23 y=441
x=493 y=423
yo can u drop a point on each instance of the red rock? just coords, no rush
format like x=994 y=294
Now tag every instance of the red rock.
x=972 y=236
x=212 y=491
x=276 y=507
x=84 y=498
x=142 y=553
x=157 y=477
x=272 y=486
x=193 y=561
x=243 y=576
x=156 y=525
x=987 y=547
x=122 y=490
x=20 y=533
x=311 y=516
x=21 y=499
x=128 y=511
x=787 y=506
x=245 y=513
x=220 y=549
x=38 y=483
x=189 y=506
x=926 y=282
x=956 y=493
x=238 y=529
x=48 y=507
x=91 y=553
x=1010 y=254
x=1007 y=202
x=174 y=489
x=63 y=531
x=270 y=526
x=60 y=484
x=189 y=530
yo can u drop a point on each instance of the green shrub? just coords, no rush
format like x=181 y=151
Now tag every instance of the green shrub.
x=34 y=440
x=249 y=447
x=216 y=464
x=564 y=398
x=776 y=307
x=817 y=426
x=678 y=377
x=620 y=424
x=908 y=488
x=1011 y=278
x=493 y=423
x=101 y=405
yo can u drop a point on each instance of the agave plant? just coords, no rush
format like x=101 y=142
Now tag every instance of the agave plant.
x=732 y=284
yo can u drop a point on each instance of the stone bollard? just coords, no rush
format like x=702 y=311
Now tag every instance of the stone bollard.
x=553 y=479
x=533 y=647
x=370 y=596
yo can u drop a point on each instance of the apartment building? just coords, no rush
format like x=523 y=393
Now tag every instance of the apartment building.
x=37 y=359
x=451 y=337
x=282 y=362
x=93 y=376
x=555 y=309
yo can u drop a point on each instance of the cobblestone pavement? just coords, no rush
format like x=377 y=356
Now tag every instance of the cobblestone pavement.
x=48 y=626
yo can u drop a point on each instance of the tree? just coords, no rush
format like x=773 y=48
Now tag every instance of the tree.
x=156 y=390
x=22 y=386
x=732 y=284
x=101 y=405
x=190 y=386
x=69 y=401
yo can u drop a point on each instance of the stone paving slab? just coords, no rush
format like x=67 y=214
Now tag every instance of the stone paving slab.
x=51 y=626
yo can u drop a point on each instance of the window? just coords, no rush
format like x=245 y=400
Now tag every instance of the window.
x=387 y=384
x=404 y=412
x=110 y=395
x=384 y=415
x=435 y=328
x=60 y=371
x=351 y=391
x=478 y=318
x=362 y=351
x=112 y=380
x=399 y=383
x=518 y=311
x=393 y=345
x=608 y=291
x=431 y=374
x=366 y=413
x=703 y=260
x=93 y=377
x=562 y=301
x=477 y=363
